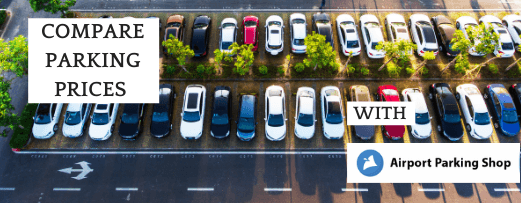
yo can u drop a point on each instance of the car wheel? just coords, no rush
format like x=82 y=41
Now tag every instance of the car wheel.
x=457 y=96
x=457 y=25
x=409 y=23
x=55 y=127
x=439 y=128
x=468 y=128
x=112 y=129
x=441 y=48
x=496 y=125
x=430 y=96
x=485 y=96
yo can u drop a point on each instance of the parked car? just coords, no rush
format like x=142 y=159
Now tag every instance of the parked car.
x=131 y=121
x=193 y=112
x=396 y=27
x=332 y=116
x=75 y=118
x=200 y=35
x=372 y=35
x=347 y=35
x=161 y=124
x=305 y=113
x=504 y=112
x=447 y=111
x=175 y=26
x=274 y=35
x=220 y=125
x=423 y=35
x=297 y=30
x=444 y=30
x=322 y=25
x=466 y=22
x=513 y=24
x=506 y=46
x=103 y=121
x=247 y=116
x=228 y=34
x=422 y=128
x=389 y=93
x=474 y=110
x=275 y=120
x=46 y=120
x=250 y=26
x=515 y=92
x=360 y=93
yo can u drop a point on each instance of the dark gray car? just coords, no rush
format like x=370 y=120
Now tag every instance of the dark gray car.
x=360 y=93
x=246 y=121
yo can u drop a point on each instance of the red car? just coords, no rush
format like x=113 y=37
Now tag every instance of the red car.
x=251 y=31
x=389 y=93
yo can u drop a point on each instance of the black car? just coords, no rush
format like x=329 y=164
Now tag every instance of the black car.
x=131 y=121
x=246 y=120
x=447 y=110
x=200 y=35
x=322 y=25
x=161 y=123
x=515 y=93
x=220 y=126
x=444 y=33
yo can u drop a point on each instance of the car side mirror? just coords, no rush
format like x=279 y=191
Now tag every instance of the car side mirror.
x=181 y=114
x=34 y=117
x=91 y=117
x=430 y=117
x=220 y=27
x=265 y=119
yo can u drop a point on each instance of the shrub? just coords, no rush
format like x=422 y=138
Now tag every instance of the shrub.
x=170 y=69
x=263 y=70
x=281 y=70
x=21 y=134
x=201 y=69
x=299 y=67
x=364 y=71
x=3 y=16
x=493 y=68
x=393 y=69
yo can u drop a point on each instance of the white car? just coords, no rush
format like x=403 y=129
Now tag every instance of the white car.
x=275 y=120
x=193 y=112
x=506 y=48
x=348 y=35
x=422 y=128
x=228 y=34
x=46 y=120
x=305 y=113
x=297 y=29
x=274 y=35
x=474 y=110
x=103 y=120
x=466 y=22
x=396 y=27
x=513 y=24
x=423 y=34
x=332 y=117
x=76 y=116
x=372 y=35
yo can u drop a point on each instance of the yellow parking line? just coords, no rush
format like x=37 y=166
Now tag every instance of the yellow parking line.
x=378 y=137
x=406 y=138
x=494 y=138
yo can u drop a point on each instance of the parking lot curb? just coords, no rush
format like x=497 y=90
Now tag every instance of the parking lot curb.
x=332 y=79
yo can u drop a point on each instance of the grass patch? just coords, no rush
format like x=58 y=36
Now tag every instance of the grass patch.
x=22 y=134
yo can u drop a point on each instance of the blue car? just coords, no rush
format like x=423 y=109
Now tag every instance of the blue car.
x=504 y=112
x=246 y=121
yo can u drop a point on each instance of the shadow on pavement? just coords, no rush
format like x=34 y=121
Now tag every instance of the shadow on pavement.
x=403 y=189
x=464 y=189
x=375 y=192
x=305 y=173
x=430 y=194
x=243 y=177
x=492 y=192
x=275 y=174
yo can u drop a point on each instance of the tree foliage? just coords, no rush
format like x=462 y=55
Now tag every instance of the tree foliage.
x=319 y=53
x=244 y=57
x=484 y=39
x=263 y=70
x=398 y=51
x=461 y=44
x=14 y=55
x=7 y=118
x=178 y=50
x=51 y=6
x=299 y=67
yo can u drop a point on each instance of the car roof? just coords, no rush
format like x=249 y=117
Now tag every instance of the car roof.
x=275 y=106
x=376 y=34
x=228 y=34
x=306 y=105
x=131 y=108
x=321 y=16
x=101 y=108
x=74 y=107
x=247 y=106
x=299 y=31
x=419 y=102
x=362 y=93
x=201 y=19
x=441 y=19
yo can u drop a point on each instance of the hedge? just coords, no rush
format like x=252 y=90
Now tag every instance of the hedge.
x=21 y=136
x=3 y=16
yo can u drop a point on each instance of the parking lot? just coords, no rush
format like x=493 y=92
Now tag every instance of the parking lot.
x=260 y=142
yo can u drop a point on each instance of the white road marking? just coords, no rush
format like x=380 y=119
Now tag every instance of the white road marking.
x=291 y=10
x=355 y=189
x=185 y=152
x=431 y=190
x=277 y=189
x=126 y=189
x=202 y=189
x=66 y=189
x=506 y=189
x=6 y=188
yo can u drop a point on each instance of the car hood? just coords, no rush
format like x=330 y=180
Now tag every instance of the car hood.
x=192 y=130
x=220 y=130
x=452 y=130
x=334 y=130
x=305 y=132
x=128 y=130
x=483 y=131
x=41 y=131
x=71 y=130
x=99 y=131
x=159 y=129
x=423 y=130
x=510 y=128
x=395 y=130
x=364 y=131
x=276 y=133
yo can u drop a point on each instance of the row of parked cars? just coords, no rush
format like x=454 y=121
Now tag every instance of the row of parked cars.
x=468 y=97
x=429 y=34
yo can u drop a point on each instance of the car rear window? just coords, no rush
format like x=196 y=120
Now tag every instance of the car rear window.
x=502 y=31
x=350 y=30
x=401 y=30
x=428 y=34
x=507 y=46
x=274 y=32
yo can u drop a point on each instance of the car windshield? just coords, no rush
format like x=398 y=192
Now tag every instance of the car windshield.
x=275 y=120
x=160 y=117
x=220 y=119
x=130 y=118
x=390 y=92
x=322 y=21
x=334 y=114
x=42 y=115
x=246 y=125
x=507 y=46
x=250 y=23
x=352 y=44
x=422 y=118
x=299 y=42
x=174 y=24
x=200 y=26
x=226 y=25
x=482 y=119
x=452 y=118
x=398 y=24
x=373 y=45
x=509 y=116
x=226 y=45
x=427 y=49
x=347 y=23
x=299 y=21
x=100 y=118
x=72 y=117
x=191 y=116
x=371 y=24
x=274 y=23
x=305 y=120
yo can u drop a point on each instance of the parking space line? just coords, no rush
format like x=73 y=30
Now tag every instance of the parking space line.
x=7 y=188
x=431 y=190
x=200 y=189
x=506 y=189
x=277 y=189
x=126 y=189
x=355 y=189
x=494 y=138
x=66 y=189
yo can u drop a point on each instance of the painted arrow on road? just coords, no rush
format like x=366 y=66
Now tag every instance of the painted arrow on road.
x=85 y=169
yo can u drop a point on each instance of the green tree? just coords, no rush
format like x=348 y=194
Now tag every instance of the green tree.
x=461 y=44
x=299 y=67
x=52 y=6
x=399 y=50
x=319 y=53
x=178 y=50
x=486 y=41
x=14 y=55
x=349 y=69
x=7 y=118
x=244 y=57
x=427 y=56
x=263 y=70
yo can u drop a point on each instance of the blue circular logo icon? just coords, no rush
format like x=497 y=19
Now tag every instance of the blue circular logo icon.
x=370 y=163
